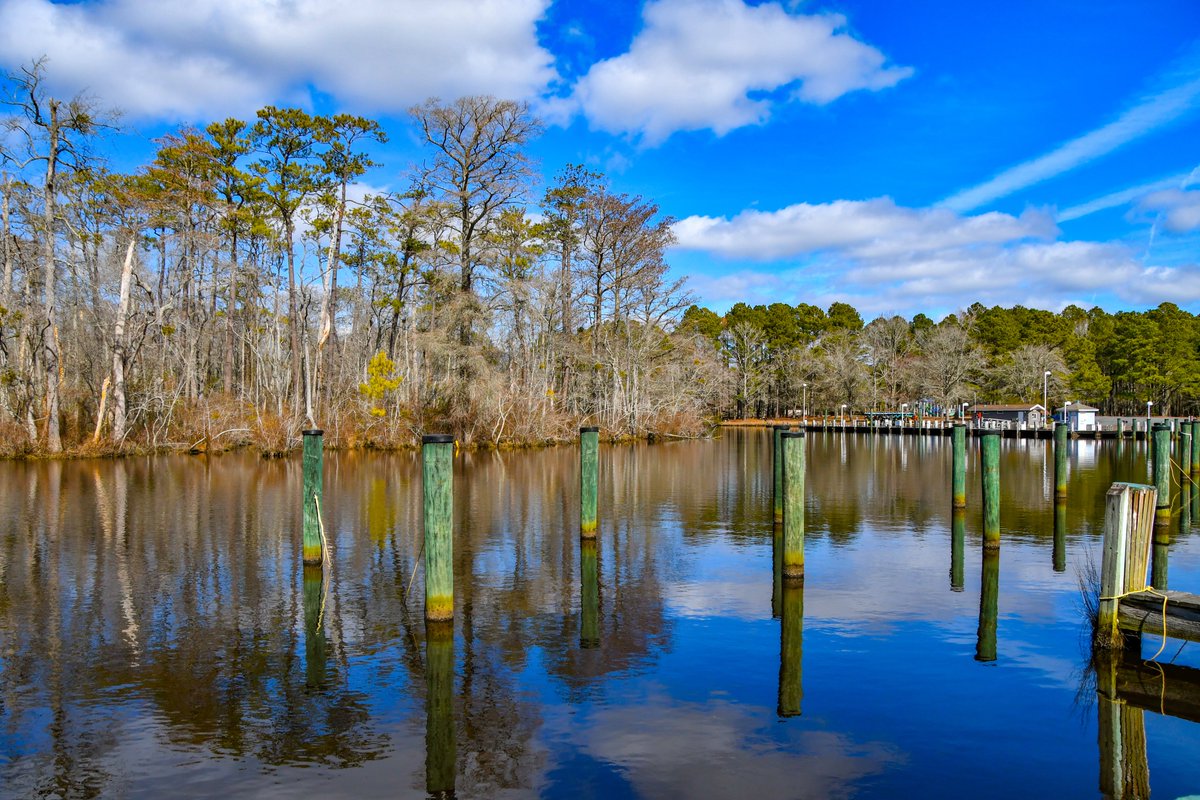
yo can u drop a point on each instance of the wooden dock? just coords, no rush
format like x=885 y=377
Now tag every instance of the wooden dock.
x=1142 y=612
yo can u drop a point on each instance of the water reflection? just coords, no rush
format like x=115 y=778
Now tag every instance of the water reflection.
x=791 y=649
x=440 y=749
x=958 y=535
x=158 y=634
x=989 y=603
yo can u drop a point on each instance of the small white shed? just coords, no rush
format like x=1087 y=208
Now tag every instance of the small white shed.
x=1078 y=416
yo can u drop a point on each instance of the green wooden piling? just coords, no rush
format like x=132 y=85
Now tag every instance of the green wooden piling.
x=311 y=501
x=1059 y=556
x=589 y=480
x=1060 y=459
x=958 y=474
x=793 y=505
x=441 y=751
x=1121 y=430
x=589 y=591
x=437 y=472
x=989 y=451
x=791 y=651
x=777 y=460
x=314 y=630
x=1195 y=449
x=1181 y=467
x=958 y=537
x=1162 y=472
x=989 y=603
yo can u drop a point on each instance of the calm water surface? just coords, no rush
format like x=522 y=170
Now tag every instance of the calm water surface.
x=158 y=636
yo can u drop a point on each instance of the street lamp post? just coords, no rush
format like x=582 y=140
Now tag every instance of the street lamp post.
x=843 y=413
x=962 y=414
x=1148 y=404
x=903 y=407
x=804 y=403
x=1045 y=396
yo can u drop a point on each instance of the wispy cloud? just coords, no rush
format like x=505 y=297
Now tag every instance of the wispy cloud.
x=1147 y=115
x=1117 y=199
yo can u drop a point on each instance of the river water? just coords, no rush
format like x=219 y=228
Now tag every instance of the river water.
x=158 y=636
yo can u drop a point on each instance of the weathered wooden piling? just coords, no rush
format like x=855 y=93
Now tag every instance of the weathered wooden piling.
x=791 y=651
x=311 y=501
x=989 y=451
x=777 y=464
x=437 y=473
x=989 y=607
x=1121 y=429
x=1059 y=557
x=958 y=537
x=958 y=473
x=1060 y=459
x=589 y=480
x=1128 y=523
x=441 y=750
x=314 y=630
x=793 y=505
x=1161 y=455
x=589 y=594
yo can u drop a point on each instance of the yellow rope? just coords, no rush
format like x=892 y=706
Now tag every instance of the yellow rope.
x=1164 y=597
x=325 y=560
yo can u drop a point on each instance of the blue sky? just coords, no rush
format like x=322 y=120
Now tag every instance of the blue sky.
x=904 y=157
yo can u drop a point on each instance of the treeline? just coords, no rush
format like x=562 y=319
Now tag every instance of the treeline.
x=235 y=289
x=781 y=358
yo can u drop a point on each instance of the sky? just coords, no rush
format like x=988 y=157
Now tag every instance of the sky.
x=902 y=157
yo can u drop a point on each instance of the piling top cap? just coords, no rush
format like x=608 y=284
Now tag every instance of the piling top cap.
x=959 y=425
x=313 y=432
x=437 y=438
x=989 y=433
x=1161 y=426
x=793 y=434
x=782 y=427
x=590 y=429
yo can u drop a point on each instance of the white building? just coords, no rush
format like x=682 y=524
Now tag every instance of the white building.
x=1078 y=416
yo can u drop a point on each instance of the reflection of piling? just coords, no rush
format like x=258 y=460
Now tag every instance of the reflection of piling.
x=793 y=505
x=1128 y=523
x=437 y=465
x=313 y=440
x=776 y=570
x=791 y=648
x=314 y=630
x=989 y=451
x=1060 y=536
x=1161 y=455
x=440 y=746
x=1183 y=455
x=989 y=605
x=1060 y=459
x=958 y=537
x=589 y=573
x=589 y=479
x=958 y=475
x=1160 y=557
x=777 y=465
x=1124 y=769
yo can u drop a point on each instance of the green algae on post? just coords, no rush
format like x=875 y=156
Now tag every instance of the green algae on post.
x=311 y=501
x=589 y=480
x=793 y=505
x=437 y=476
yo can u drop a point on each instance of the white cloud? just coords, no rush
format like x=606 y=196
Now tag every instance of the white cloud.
x=882 y=258
x=875 y=228
x=1181 y=209
x=702 y=64
x=209 y=58
x=1149 y=114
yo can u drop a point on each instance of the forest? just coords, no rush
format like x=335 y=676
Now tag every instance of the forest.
x=240 y=287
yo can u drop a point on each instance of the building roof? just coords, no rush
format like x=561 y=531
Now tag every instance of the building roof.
x=1006 y=407
x=1076 y=407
